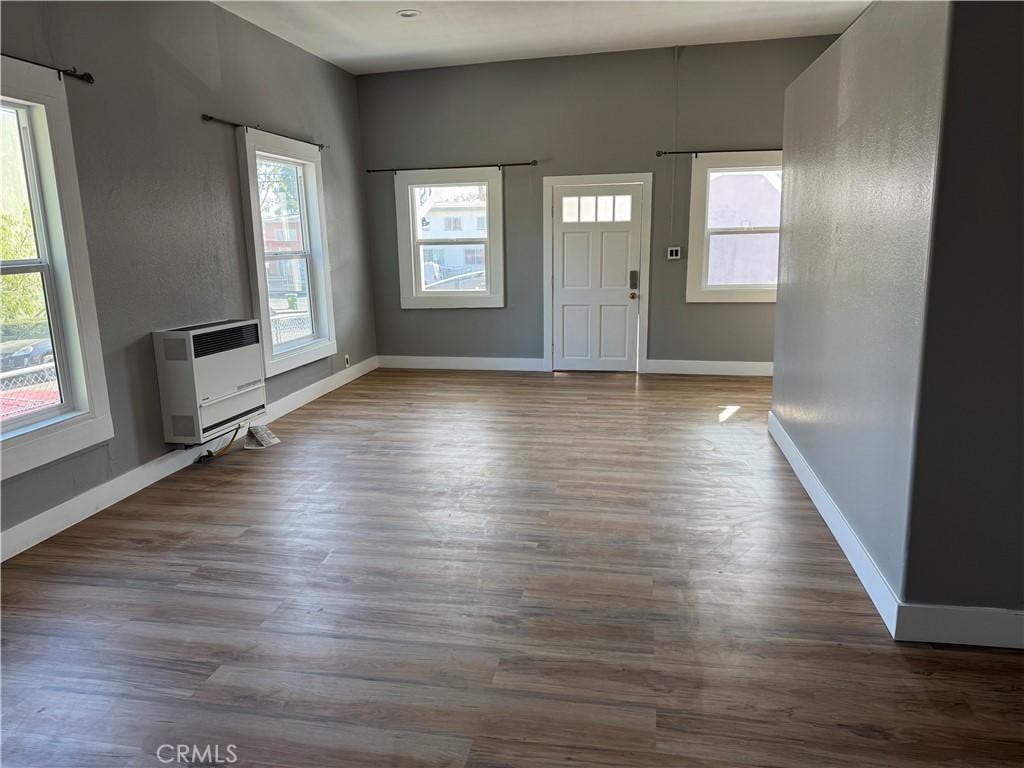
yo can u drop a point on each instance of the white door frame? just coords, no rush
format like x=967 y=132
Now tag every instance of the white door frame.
x=550 y=182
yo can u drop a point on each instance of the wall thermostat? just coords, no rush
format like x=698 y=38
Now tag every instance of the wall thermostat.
x=675 y=253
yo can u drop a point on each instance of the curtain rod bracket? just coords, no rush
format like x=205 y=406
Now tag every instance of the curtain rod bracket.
x=85 y=77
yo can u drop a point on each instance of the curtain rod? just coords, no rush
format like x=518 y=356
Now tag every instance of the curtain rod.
x=449 y=167
x=85 y=77
x=212 y=119
x=696 y=152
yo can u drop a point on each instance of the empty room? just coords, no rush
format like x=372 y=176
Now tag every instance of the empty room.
x=491 y=384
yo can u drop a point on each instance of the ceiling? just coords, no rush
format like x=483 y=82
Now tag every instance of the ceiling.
x=366 y=37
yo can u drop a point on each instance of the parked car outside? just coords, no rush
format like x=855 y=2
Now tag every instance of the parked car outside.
x=27 y=355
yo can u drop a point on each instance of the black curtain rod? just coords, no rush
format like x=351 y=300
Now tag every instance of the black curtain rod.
x=696 y=152
x=212 y=119
x=85 y=77
x=449 y=167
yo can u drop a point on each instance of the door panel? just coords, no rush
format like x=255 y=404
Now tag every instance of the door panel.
x=596 y=238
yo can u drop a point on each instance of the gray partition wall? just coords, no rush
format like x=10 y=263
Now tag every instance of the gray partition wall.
x=161 y=195
x=898 y=338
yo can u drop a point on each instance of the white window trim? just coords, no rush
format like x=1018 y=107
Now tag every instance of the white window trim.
x=87 y=421
x=697 y=288
x=412 y=296
x=324 y=343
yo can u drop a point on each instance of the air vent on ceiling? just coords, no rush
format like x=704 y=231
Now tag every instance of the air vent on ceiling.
x=224 y=339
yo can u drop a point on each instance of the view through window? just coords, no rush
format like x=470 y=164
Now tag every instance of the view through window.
x=451 y=236
x=29 y=375
x=286 y=250
x=744 y=207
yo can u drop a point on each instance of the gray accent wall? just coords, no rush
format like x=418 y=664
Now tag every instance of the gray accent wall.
x=161 y=195
x=603 y=113
x=861 y=145
x=966 y=539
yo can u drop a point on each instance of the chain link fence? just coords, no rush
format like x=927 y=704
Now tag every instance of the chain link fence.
x=24 y=390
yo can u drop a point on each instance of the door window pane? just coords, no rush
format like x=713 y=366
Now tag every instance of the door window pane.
x=588 y=209
x=623 y=207
x=291 y=314
x=439 y=211
x=743 y=259
x=744 y=198
x=453 y=267
x=28 y=369
x=570 y=210
x=17 y=235
x=281 y=205
x=605 y=207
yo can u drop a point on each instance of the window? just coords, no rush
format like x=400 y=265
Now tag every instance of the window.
x=53 y=392
x=735 y=209
x=441 y=265
x=288 y=243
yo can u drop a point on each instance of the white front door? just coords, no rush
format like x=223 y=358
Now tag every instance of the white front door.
x=596 y=276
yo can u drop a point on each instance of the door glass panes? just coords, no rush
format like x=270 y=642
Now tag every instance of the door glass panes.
x=281 y=205
x=743 y=259
x=28 y=370
x=598 y=208
x=291 y=313
x=744 y=198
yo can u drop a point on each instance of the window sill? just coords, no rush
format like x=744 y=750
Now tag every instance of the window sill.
x=452 y=302
x=731 y=296
x=307 y=353
x=32 y=447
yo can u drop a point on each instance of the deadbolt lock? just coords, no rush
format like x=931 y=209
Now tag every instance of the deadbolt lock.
x=632 y=294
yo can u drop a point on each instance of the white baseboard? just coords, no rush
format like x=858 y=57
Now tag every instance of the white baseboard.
x=878 y=589
x=960 y=625
x=911 y=622
x=708 y=367
x=289 y=403
x=463 y=363
x=20 y=537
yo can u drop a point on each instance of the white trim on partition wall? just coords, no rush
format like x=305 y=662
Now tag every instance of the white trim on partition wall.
x=463 y=363
x=878 y=589
x=550 y=182
x=51 y=522
x=912 y=622
x=710 y=367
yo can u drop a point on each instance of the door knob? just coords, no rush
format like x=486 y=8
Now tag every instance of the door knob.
x=632 y=294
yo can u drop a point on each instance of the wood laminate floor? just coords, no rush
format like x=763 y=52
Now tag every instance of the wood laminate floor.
x=484 y=570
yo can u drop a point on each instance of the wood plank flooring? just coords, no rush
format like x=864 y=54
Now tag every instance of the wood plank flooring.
x=485 y=570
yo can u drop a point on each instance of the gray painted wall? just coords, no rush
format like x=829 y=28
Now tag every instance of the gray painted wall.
x=966 y=541
x=604 y=113
x=861 y=143
x=160 y=192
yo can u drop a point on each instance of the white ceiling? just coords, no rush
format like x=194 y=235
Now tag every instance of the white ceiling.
x=365 y=37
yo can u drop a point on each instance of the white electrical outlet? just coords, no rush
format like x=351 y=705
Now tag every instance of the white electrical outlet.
x=346 y=361
x=675 y=252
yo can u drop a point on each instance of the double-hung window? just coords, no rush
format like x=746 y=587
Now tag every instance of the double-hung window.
x=287 y=237
x=441 y=263
x=53 y=392
x=735 y=210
